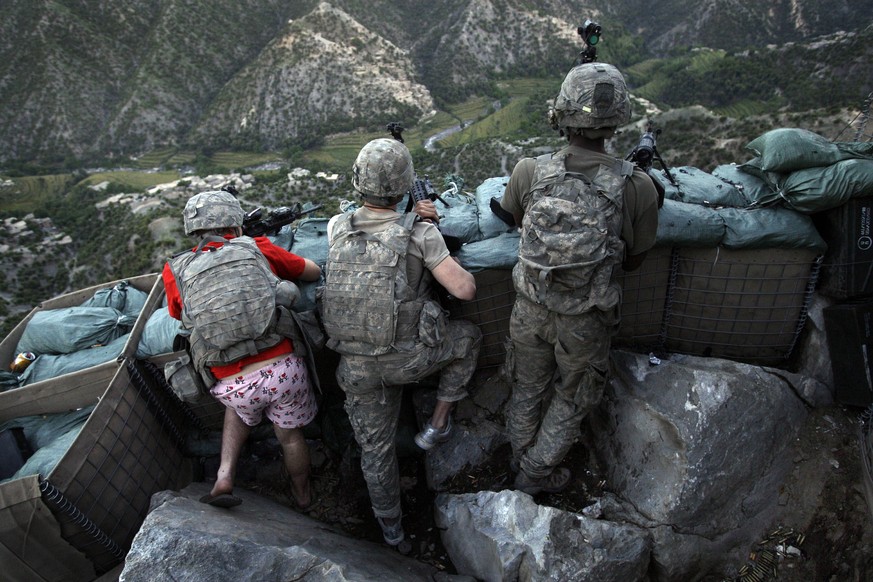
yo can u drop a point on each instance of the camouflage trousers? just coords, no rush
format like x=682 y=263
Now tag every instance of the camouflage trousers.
x=558 y=365
x=374 y=388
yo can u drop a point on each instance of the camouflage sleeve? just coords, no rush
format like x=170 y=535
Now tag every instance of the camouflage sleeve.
x=515 y=196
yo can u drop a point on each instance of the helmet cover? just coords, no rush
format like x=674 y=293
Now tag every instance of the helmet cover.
x=593 y=95
x=211 y=210
x=383 y=172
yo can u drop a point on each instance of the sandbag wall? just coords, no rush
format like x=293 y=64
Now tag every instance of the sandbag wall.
x=78 y=520
x=71 y=511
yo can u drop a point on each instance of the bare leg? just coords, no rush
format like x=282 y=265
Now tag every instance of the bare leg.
x=440 y=415
x=233 y=437
x=295 y=452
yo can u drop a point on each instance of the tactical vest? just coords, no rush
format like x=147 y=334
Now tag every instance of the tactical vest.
x=369 y=307
x=571 y=237
x=230 y=302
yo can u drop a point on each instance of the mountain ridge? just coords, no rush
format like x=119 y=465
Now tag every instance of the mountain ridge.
x=101 y=80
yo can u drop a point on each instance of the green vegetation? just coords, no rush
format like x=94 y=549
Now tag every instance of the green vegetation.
x=29 y=192
x=128 y=181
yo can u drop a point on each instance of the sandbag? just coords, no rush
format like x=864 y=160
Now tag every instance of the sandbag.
x=49 y=366
x=123 y=296
x=754 y=189
x=310 y=242
x=694 y=186
x=158 y=334
x=490 y=225
x=789 y=149
x=764 y=228
x=499 y=252
x=49 y=436
x=819 y=189
x=70 y=329
x=460 y=219
x=688 y=225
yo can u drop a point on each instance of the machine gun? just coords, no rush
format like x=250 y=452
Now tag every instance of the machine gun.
x=644 y=155
x=255 y=223
x=590 y=33
x=422 y=189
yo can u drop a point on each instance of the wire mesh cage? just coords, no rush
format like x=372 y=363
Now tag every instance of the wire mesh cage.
x=98 y=492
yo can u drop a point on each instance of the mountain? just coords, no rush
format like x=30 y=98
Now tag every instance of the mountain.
x=101 y=79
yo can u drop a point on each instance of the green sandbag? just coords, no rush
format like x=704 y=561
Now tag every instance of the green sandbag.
x=694 y=186
x=50 y=436
x=490 y=225
x=754 y=189
x=123 y=296
x=49 y=366
x=499 y=252
x=790 y=149
x=768 y=228
x=70 y=329
x=818 y=189
x=158 y=334
x=688 y=225
x=310 y=242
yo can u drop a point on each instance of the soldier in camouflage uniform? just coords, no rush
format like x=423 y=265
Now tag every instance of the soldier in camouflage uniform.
x=380 y=314
x=583 y=214
x=232 y=294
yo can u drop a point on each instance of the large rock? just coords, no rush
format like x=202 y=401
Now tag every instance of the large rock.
x=698 y=447
x=260 y=540
x=506 y=536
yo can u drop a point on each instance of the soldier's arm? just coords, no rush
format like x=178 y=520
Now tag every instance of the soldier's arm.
x=455 y=279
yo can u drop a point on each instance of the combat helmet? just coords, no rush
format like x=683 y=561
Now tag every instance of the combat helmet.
x=212 y=209
x=593 y=96
x=383 y=172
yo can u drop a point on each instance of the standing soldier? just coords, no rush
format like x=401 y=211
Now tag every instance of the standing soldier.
x=380 y=314
x=233 y=294
x=583 y=214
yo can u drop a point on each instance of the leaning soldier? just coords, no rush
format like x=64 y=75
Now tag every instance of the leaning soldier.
x=232 y=293
x=583 y=214
x=381 y=316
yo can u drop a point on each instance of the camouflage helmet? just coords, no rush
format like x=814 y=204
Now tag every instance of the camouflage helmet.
x=383 y=172
x=210 y=210
x=593 y=95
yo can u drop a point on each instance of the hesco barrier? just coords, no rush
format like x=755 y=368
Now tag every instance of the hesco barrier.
x=9 y=345
x=745 y=305
x=79 y=520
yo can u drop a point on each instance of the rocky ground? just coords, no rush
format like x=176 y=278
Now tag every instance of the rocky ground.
x=834 y=542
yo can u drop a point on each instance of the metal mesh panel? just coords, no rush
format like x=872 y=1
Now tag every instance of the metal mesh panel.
x=743 y=304
x=123 y=454
x=490 y=310
x=645 y=295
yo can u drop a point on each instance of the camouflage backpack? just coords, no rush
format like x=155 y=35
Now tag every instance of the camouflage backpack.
x=367 y=304
x=570 y=237
x=230 y=301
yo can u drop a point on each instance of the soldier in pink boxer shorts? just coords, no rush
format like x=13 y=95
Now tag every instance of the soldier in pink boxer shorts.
x=233 y=294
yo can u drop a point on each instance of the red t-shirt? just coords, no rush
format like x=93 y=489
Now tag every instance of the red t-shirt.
x=284 y=264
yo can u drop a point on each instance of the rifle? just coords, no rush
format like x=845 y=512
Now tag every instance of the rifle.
x=644 y=155
x=256 y=224
x=422 y=189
